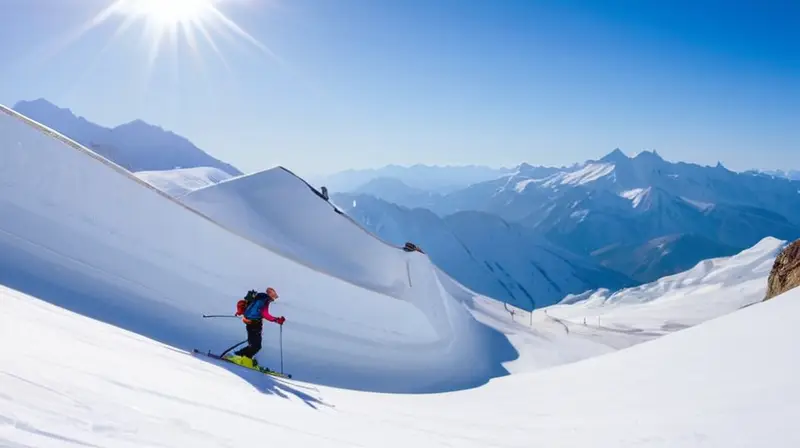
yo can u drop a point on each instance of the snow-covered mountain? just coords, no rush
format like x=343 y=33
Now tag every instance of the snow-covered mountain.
x=642 y=181
x=181 y=181
x=102 y=304
x=485 y=253
x=137 y=146
x=397 y=192
x=436 y=179
x=631 y=202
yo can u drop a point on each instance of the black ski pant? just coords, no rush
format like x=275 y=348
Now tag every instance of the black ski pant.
x=253 y=339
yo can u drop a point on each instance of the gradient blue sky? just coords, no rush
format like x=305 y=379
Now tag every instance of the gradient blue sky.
x=363 y=83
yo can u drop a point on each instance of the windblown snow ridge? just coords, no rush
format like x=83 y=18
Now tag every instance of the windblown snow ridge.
x=78 y=235
x=121 y=170
x=274 y=209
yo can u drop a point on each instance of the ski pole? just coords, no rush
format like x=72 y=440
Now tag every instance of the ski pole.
x=281 y=349
x=205 y=316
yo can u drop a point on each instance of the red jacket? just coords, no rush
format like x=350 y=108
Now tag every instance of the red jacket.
x=265 y=312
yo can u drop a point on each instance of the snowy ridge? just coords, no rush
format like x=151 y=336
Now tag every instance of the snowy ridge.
x=584 y=175
x=153 y=267
x=306 y=227
x=712 y=288
x=121 y=170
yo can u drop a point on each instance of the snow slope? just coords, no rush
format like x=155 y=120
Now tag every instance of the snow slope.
x=84 y=234
x=712 y=288
x=728 y=382
x=181 y=181
x=278 y=210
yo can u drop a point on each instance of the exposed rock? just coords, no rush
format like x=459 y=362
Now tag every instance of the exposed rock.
x=785 y=273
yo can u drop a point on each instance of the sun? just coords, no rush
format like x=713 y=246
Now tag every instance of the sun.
x=169 y=12
x=170 y=23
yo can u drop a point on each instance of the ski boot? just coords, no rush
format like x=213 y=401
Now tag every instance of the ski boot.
x=243 y=361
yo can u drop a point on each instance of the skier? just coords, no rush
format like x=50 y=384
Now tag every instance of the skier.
x=253 y=308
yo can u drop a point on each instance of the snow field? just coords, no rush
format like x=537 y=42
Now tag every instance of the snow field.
x=728 y=382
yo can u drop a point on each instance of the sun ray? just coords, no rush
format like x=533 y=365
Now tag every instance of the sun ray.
x=168 y=26
x=155 y=36
x=188 y=33
x=230 y=24
x=210 y=40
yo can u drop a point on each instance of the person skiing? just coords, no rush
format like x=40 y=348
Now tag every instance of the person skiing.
x=253 y=308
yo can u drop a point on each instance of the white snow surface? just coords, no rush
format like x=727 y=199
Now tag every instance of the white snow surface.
x=91 y=237
x=635 y=195
x=105 y=279
x=584 y=175
x=728 y=382
x=181 y=181
x=280 y=211
x=712 y=288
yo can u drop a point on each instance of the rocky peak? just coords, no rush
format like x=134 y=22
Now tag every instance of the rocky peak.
x=785 y=274
x=615 y=156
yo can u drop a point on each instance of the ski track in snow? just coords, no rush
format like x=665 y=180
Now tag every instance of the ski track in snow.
x=102 y=302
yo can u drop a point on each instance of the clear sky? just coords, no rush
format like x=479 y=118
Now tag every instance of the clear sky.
x=364 y=83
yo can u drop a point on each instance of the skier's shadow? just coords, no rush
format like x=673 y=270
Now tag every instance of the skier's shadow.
x=270 y=385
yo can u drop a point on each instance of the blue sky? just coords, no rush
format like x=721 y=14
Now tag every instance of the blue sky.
x=363 y=83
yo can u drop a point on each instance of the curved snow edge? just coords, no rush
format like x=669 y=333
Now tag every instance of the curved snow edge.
x=121 y=170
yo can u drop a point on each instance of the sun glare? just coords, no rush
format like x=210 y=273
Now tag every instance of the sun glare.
x=168 y=24
x=169 y=12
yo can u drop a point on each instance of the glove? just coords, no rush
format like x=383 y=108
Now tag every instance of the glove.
x=280 y=320
x=239 y=308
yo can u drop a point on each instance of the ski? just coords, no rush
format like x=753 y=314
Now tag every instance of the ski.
x=261 y=369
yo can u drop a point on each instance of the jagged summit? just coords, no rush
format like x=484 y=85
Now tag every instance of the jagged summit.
x=615 y=156
x=649 y=156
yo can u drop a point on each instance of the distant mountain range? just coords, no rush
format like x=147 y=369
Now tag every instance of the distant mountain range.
x=434 y=179
x=136 y=146
x=641 y=216
x=506 y=261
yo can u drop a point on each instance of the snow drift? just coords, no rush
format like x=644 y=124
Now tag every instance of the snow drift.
x=83 y=233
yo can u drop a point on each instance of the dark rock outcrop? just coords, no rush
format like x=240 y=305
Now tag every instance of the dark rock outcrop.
x=785 y=273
